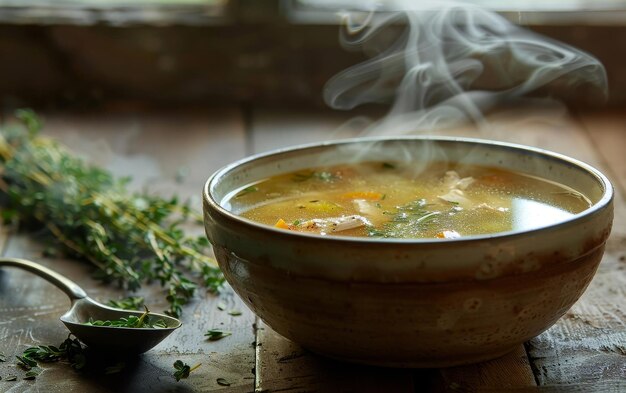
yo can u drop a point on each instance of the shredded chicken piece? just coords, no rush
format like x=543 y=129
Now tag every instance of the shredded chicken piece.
x=335 y=224
x=452 y=180
x=489 y=207
x=365 y=207
x=456 y=196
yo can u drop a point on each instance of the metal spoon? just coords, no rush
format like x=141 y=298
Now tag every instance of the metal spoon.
x=102 y=338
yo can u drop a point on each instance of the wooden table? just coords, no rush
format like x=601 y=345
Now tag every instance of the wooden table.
x=584 y=351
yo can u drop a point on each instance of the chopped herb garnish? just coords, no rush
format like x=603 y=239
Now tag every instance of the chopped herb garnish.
x=11 y=378
x=222 y=382
x=183 y=370
x=216 y=334
x=234 y=313
x=132 y=321
x=129 y=303
x=221 y=306
x=246 y=191
x=406 y=221
x=85 y=211
x=296 y=223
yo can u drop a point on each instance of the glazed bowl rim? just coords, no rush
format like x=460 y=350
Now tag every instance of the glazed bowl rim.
x=602 y=203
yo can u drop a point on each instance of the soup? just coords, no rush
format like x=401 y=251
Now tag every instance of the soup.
x=393 y=200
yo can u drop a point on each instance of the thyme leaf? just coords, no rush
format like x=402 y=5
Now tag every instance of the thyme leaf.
x=144 y=321
x=216 y=334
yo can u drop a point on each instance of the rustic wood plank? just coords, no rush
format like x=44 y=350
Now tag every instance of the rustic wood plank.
x=510 y=371
x=273 y=129
x=153 y=149
x=607 y=131
x=285 y=366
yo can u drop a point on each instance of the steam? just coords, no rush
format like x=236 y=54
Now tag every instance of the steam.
x=442 y=63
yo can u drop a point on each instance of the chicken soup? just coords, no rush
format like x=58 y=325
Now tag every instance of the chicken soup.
x=392 y=200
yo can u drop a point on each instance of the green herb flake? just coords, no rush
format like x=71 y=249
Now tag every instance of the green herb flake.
x=25 y=362
x=222 y=382
x=183 y=370
x=216 y=334
x=221 y=306
x=33 y=373
x=11 y=378
x=132 y=321
x=405 y=222
x=234 y=313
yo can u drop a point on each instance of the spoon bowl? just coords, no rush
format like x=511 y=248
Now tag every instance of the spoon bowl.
x=83 y=309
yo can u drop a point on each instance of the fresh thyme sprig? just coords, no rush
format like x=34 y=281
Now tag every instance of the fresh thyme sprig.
x=132 y=238
x=132 y=321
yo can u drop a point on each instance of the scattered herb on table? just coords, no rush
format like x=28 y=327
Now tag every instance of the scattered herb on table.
x=32 y=373
x=221 y=306
x=144 y=321
x=70 y=350
x=183 y=370
x=234 y=313
x=129 y=303
x=131 y=238
x=217 y=334
x=11 y=378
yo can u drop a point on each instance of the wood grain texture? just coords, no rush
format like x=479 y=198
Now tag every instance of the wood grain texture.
x=283 y=366
x=510 y=371
x=153 y=149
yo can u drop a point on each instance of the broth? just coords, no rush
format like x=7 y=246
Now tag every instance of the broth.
x=389 y=200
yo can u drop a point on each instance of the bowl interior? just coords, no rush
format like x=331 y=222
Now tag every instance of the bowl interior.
x=419 y=152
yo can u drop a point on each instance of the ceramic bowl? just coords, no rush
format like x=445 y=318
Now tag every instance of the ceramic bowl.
x=410 y=303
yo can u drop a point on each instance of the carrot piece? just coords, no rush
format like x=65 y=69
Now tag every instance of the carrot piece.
x=367 y=195
x=281 y=224
x=448 y=235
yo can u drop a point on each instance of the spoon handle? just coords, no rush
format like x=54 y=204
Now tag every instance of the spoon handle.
x=68 y=286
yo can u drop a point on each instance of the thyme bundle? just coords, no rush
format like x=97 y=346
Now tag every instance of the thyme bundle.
x=131 y=238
